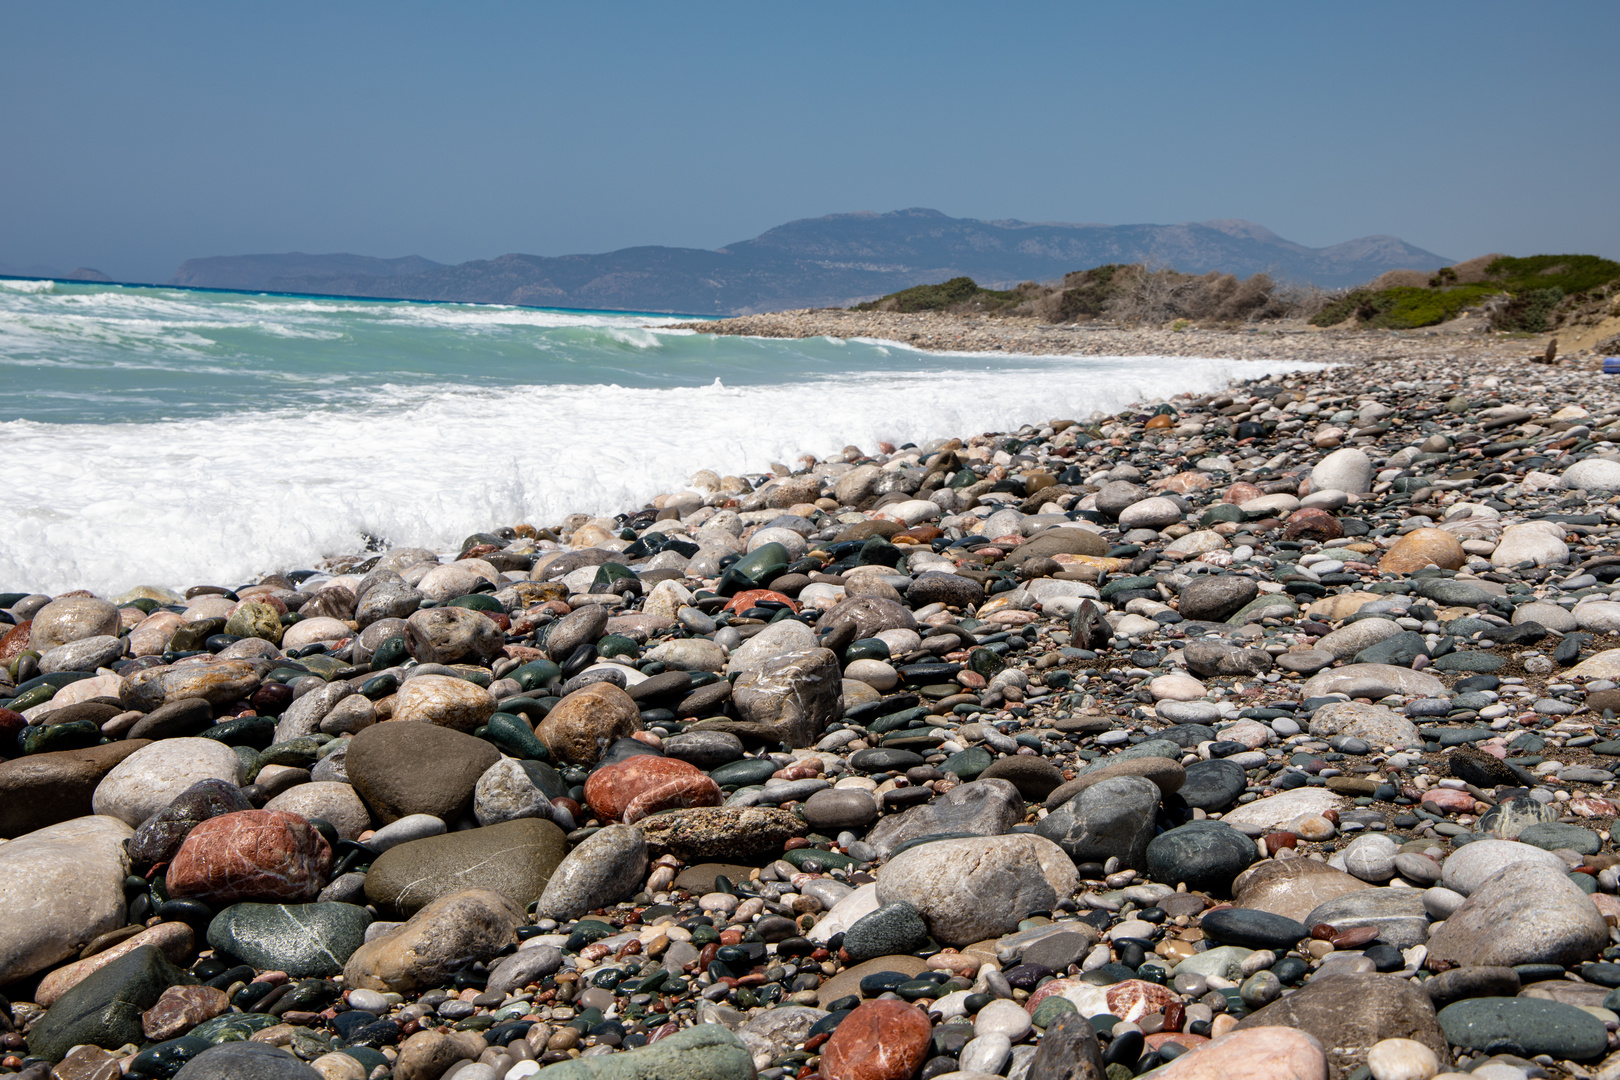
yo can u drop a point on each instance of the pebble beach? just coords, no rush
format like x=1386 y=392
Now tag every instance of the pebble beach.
x=1268 y=732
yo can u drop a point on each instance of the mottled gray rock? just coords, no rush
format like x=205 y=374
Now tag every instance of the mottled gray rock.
x=1528 y=913
x=1113 y=818
x=608 y=866
x=971 y=889
x=982 y=807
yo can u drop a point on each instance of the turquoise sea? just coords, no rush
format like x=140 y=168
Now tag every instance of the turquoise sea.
x=171 y=436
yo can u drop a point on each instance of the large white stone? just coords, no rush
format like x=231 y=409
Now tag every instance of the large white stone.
x=1348 y=470
x=1540 y=542
x=1469 y=867
x=1603 y=665
x=1348 y=640
x=1596 y=616
x=1374 y=681
x=60 y=888
x=975 y=888
x=1155 y=513
x=151 y=777
x=776 y=639
x=1593 y=474
x=1278 y=810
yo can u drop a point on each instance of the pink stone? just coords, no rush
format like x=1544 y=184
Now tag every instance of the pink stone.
x=267 y=855
x=1135 y=998
x=1451 y=802
x=1591 y=806
x=182 y=1008
x=1241 y=493
x=1259 y=1053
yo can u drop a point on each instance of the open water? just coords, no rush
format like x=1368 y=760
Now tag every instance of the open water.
x=169 y=436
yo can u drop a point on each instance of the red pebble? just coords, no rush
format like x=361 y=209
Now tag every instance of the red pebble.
x=645 y=784
x=265 y=855
x=880 y=1040
x=1355 y=937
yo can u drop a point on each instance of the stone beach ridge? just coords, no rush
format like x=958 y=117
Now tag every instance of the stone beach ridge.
x=1266 y=733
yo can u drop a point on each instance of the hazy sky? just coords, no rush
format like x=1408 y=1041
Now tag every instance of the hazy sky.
x=134 y=136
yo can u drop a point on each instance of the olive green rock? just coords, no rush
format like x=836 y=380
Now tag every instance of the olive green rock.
x=513 y=858
x=104 y=1009
x=255 y=619
x=703 y=1052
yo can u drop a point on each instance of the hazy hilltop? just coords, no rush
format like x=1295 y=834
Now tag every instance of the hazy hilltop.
x=267 y=272
x=78 y=273
x=818 y=262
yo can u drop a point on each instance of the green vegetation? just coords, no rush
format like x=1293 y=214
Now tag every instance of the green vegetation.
x=959 y=293
x=1572 y=274
x=1403 y=307
x=1534 y=292
x=1517 y=295
x=1086 y=294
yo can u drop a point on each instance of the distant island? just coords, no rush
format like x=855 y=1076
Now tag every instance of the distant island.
x=78 y=273
x=831 y=261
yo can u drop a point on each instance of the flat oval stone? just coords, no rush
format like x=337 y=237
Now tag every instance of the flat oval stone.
x=1253 y=929
x=1529 y=1026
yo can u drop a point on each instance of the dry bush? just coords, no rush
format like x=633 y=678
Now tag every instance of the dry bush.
x=1161 y=296
x=1401 y=279
x=1472 y=272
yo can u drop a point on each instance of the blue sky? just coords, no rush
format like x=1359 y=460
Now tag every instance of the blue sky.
x=137 y=135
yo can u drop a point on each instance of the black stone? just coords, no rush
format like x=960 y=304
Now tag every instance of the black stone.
x=1253 y=929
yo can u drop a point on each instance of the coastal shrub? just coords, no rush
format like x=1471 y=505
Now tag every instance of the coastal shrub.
x=1572 y=274
x=1530 y=311
x=1534 y=293
x=1086 y=294
x=1141 y=295
x=1404 y=307
x=955 y=294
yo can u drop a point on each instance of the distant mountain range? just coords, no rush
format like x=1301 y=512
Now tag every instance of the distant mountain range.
x=817 y=262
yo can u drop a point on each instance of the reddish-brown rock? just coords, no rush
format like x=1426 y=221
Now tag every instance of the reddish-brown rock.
x=1241 y=492
x=1315 y=524
x=267 y=855
x=182 y=1008
x=11 y=725
x=15 y=640
x=88 y=1063
x=880 y=1040
x=645 y=784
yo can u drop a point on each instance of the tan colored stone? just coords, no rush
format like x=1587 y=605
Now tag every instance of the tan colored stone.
x=1423 y=547
x=444 y=700
x=1292 y=888
x=60 y=887
x=1341 y=605
x=428 y=1054
x=71 y=619
x=173 y=939
x=441 y=939
x=585 y=723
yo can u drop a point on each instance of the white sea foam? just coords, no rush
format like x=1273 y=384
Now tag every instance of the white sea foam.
x=226 y=498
